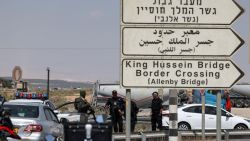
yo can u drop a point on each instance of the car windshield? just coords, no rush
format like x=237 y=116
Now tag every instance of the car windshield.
x=24 y=111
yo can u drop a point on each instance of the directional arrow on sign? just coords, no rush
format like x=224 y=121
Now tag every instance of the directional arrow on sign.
x=176 y=73
x=158 y=41
x=180 y=11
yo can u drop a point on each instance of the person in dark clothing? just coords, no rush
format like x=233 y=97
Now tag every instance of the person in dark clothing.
x=156 y=111
x=83 y=107
x=5 y=119
x=134 y=112
x=116 y=107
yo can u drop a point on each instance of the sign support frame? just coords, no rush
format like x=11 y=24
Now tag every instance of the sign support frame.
x=128 y=114
x=218 y=116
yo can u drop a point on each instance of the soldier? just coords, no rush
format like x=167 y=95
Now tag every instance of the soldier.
x=134 y=112
x=116 y=107
x=82 y=106
x=156 y=111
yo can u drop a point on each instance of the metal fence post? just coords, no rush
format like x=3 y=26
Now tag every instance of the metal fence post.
x=143 y=137
x=226 y=136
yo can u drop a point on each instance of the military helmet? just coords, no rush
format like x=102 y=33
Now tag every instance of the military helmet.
x=82 y=94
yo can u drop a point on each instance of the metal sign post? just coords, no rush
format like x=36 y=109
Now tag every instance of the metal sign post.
x=203 y=117
x=48 y=70
x=249 y=43
x=202 y=91
x=173 y=115
x=128 y=113
x=218 y=117
x=1 y=88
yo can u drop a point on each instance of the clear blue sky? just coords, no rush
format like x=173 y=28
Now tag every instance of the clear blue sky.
x=77 y=39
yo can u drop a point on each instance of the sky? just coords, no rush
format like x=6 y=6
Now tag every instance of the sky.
x=79 y=40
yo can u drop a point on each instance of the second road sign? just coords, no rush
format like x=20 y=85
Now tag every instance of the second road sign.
x=154 y=41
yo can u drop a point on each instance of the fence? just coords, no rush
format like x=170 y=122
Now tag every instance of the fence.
x=227 y=135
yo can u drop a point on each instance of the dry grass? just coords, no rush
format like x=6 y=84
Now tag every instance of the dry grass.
x=57 y=97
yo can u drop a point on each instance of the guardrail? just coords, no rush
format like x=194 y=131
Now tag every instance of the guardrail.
x=227 y=135
x=143 y=136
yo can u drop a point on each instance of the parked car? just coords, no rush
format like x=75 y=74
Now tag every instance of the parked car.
x=190 y=117
x=34 y=121
x=72 y=117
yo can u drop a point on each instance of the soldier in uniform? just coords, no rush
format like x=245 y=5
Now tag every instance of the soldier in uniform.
x=116 y=107
x=156 y=111
x=82 y=106
x=134 y=112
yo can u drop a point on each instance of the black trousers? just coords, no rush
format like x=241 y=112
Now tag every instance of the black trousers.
x=156 y=119
x=132 y=126
x=117 y=122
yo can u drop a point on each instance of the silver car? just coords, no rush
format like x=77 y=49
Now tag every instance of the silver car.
x=35 y=122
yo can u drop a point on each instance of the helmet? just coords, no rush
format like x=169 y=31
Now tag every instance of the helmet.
x=82 y=94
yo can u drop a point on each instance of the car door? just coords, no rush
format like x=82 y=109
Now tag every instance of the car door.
x=226 y=121
x=50 y=104
x=191 y=115
x=210 y=117
x=55 y=128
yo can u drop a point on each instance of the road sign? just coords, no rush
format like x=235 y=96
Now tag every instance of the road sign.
x=180 y=11
x=163 y=41
x=17 y=73
x=202 y=92
x=190 y=73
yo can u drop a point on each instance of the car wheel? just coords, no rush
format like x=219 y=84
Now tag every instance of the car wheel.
x=184 y=126
x=240 y=127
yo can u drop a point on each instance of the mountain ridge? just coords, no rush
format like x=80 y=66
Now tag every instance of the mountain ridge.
x=42 y=83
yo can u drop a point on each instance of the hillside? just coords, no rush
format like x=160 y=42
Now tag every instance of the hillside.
x=58 y=84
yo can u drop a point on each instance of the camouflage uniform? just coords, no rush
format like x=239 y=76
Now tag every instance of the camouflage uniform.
x=82 y=106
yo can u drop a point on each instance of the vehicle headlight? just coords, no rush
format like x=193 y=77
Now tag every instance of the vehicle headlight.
x=248 y=120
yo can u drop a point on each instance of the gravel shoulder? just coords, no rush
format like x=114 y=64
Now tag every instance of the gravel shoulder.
x=243 y=112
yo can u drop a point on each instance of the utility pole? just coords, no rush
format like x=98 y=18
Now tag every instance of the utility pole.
x=48 y=70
